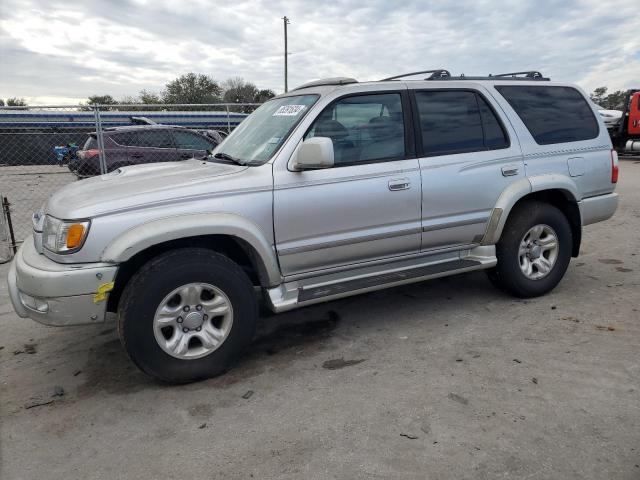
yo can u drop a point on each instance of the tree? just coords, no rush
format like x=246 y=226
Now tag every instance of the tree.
x=192 y=88
x=264 y=95
x=598 y=95
x=101 y=100
x=16 y=102
x=237 y=90
x=1 y=103
x=149 y=97
x=611 y=101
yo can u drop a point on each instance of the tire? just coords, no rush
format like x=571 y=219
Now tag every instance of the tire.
x=508 y=275
x=148 y=345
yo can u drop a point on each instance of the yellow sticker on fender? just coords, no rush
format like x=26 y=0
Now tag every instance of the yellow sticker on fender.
x=103 y=289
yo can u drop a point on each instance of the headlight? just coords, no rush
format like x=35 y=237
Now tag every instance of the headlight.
x=60 y=236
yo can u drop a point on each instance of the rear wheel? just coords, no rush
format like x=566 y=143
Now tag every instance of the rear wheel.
x=186 y=315
x=534 y=250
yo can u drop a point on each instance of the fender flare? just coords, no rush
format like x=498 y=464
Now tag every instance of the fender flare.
x=166 y=229
x=517 y=191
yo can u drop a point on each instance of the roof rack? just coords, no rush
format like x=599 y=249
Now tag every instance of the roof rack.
x=435 y=75
x=327 y=81
x=529 y=75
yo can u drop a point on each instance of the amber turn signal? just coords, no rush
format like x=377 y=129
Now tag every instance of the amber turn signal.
x=75 y=235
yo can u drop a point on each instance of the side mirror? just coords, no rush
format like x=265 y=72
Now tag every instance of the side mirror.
x=314 y=153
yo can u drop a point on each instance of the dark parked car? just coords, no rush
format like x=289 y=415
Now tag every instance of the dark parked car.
x=133 y=145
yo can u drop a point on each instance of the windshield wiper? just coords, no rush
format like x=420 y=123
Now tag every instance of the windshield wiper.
x=226 y=156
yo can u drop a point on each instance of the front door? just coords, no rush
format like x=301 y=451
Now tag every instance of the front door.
x=153 y=145
x=367 y=206
x=191 y=145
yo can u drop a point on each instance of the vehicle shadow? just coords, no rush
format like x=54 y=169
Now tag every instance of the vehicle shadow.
x=282 y=339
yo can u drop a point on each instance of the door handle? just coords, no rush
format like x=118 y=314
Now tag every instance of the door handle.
x=509 y=171
x=399 y=184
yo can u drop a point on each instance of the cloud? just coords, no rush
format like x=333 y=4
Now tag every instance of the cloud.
x=74 y=49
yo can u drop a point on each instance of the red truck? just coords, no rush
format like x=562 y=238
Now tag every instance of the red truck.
x=626 y=134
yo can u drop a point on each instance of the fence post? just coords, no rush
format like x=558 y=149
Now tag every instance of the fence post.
x=103 y=163
x=228 y=121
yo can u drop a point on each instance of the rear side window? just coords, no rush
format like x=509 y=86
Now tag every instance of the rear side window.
x=91 y=143
x=552 y=114
x=456 y=122
x=155 y=138
x=191 y=141
x=125 y=139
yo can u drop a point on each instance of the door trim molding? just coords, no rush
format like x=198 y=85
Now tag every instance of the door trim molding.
x=348 y=241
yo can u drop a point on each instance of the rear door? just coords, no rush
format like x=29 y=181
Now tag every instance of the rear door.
x=154 y=145
x=191 y=144
x=468 y=156
x=117 y=149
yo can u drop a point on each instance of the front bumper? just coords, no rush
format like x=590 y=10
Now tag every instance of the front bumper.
x=55 y=294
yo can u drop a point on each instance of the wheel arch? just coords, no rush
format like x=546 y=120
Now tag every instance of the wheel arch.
x=233 y=236
x=557 y=190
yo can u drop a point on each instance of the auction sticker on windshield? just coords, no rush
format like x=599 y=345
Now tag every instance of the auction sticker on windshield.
x=289 y=110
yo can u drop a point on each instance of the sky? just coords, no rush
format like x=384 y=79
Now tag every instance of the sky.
x=62 y=51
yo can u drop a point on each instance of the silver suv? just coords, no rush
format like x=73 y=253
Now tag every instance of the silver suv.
x=333 y=189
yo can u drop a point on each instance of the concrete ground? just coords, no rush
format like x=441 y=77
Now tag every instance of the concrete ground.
x=442 y=379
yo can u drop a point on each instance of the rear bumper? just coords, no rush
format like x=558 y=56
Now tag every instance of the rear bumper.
x=599 y=208
x=55 y=294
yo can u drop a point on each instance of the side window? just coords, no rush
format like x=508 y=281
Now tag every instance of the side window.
x=125 y=139
x=450 y=122
x=155 y=138
x=552 y=114
x=363 y=128
x=494 y=134
x=191 y=141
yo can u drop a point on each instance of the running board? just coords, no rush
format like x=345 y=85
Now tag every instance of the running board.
x=312 y=293
x=320 y=289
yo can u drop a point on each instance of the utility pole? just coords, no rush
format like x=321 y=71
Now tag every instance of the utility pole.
x=286 y=54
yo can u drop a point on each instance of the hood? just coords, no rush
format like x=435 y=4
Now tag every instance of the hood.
x=139 y=185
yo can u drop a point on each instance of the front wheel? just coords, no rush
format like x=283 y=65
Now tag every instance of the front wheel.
x=534 y=250
x=187 y=315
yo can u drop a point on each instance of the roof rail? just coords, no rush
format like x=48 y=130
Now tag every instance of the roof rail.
x=531 y=75
x=526 y=76
x=327 y=81
x=435 y=74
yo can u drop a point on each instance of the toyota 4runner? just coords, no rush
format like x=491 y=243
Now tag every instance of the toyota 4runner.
x=332 y=189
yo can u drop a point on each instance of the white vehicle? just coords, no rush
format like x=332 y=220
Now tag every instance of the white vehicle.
x=611 y=118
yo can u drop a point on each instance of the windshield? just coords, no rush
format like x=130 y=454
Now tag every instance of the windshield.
x=262 y=133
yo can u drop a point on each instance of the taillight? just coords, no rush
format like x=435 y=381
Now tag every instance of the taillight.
x=87 y=154
x=614 y=166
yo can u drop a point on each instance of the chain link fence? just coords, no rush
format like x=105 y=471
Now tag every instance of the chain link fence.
x=46 y=147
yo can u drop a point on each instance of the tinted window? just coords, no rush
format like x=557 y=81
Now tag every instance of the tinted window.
x=191 y=141
x=155 y=138
x=125 y=138
x=552 y=114
x=450 y=122
x=91 y=143
x=494 y=135
x=363 y=128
